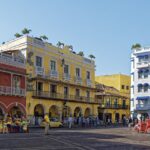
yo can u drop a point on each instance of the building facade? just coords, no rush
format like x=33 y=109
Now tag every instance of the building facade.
x=119 y=81
x=59 y=82
x=12 y=85
x=112 y=105
x=140 y=82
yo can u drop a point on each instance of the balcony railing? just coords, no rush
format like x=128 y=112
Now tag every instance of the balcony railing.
x=46 y=94
x=78 y=80
x=142 y=106
x=113 y=106
x=88 y=82
x=143 y=64
x=6 y=90
x=39 y=70
x=11 y=60
x=66 y=77
x=53 y=74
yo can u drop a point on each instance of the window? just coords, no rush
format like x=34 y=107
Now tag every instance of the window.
x=108 y=102
x=66 y=92
x=127 y=87
x=53 y=65
x=146 y=72
x=77 y=92
x=116 y=102
x=88 y=74
x=140 y=88
x=78 y=72
x=38 y=61
x=124 y=103
x=39 y=86
x=88 y=94
x=53 y=88
x=140 y=74
x=146 y=87
x=122 y=86
x=16 y=82
x=66 y=69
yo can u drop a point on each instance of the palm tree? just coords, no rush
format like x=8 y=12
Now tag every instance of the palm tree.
x=92 y=56
x=17 y=35
x=81 y=53
x=26 y=31
x=44 y=37
x=137 y=45
x=60 y=44
x=70 y=47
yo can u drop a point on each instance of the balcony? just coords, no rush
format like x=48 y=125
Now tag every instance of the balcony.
x=11 y=60
x=144 y=64
x=142 y=106
x=88 y=82
x=78 y=80
x=53 y=74
x=66 y=77
x=6 y=90
x=113 y=106
x=59 y=96
x=39 y=71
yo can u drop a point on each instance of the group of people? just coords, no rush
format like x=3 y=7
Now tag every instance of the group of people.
x=14 y=124
x=81 y=121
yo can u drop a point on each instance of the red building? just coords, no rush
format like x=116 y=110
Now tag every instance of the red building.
x=12 y=84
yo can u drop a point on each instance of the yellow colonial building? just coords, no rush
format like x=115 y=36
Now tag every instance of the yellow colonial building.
x=112 y=105
x=119 y=81
x=59 y=82
x=116 y=92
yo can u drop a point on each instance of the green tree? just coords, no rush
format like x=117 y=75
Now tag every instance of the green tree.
x=26 y=31
x=60 y=44
x=17 y=35
x=81 y=53
x=137 y=45
x=70 y=47
x=44 y=37
x=92 y=56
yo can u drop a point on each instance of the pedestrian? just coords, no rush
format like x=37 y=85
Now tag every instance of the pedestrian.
x=70 y=120
x=47 y=123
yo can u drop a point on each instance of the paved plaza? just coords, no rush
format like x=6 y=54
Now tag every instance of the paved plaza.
x=76 y=139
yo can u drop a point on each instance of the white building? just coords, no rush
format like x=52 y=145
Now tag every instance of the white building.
x=140 y=82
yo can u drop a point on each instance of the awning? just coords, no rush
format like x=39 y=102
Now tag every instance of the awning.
x=142 y=97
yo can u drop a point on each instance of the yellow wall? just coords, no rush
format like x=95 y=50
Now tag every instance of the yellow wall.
x=116 y=81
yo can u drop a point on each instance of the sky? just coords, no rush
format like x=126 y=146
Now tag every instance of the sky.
x=105 y=28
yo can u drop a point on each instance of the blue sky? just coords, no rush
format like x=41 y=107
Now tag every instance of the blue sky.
x=104 y=28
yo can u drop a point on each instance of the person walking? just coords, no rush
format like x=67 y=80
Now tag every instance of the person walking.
x=47 y=122
x=70 y=120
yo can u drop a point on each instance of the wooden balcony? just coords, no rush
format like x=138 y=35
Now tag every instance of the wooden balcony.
x=62 y=97
x=6 y=90
x=113 y=106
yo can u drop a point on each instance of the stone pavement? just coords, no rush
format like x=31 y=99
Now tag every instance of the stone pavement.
x=76 y=139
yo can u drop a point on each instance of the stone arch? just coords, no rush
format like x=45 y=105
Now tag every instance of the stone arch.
x=54 y=111
x=16 y=109
x=87 y=112
x=39 y=110
x=77 y=111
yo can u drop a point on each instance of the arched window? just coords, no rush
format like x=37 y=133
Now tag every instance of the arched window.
x=140 y=74
x=146 y=86
x=146 y=72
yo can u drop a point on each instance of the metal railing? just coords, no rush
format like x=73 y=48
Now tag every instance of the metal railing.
x=113 y=106
x=11 y=60
x=39 y=70
x=6 y=90
x=46 y=94
x=142 y=106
